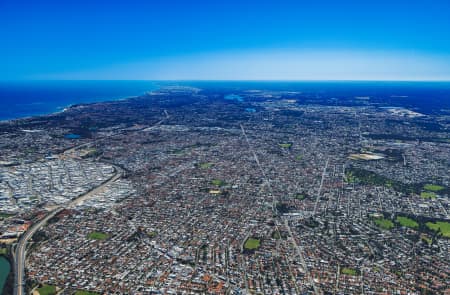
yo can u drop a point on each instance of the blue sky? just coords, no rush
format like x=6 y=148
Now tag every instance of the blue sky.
x=287 y=40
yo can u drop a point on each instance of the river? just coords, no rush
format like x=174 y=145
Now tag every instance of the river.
x=5 y=268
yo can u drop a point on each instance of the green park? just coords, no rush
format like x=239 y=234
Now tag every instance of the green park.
x=252 y=244
x=96 y=235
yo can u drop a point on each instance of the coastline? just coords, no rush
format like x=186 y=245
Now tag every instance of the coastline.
x=32 y=99
x=65 y=109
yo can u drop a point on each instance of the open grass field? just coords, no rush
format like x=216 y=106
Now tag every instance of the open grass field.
x=205 y=165
x=384 y=223
x=433 y=187
x=408 y=222
x=349 y=271
x=218 y=182
x=152 y=234
x=442 y=226
x=3 y=251
x=96 y=235
x=47 y=290
x=252 y=244
x=285 y=145
x=299 y=196
x=428 y=195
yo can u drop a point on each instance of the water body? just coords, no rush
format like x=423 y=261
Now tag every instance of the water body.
x=427 y=97
x=5 y=268
x=20 y=99
x=234 y=97
x=72 y=136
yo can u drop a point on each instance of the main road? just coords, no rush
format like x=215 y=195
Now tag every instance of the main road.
x=286 y=224
x=20 y=253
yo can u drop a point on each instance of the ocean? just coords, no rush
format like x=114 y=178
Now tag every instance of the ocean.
x=19 y=99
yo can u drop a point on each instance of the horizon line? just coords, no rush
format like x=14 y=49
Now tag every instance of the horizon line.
x=230 y=80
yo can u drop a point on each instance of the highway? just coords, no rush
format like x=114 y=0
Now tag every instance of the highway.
x=20 y=253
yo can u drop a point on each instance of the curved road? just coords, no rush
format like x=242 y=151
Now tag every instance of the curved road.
x=20 y=253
